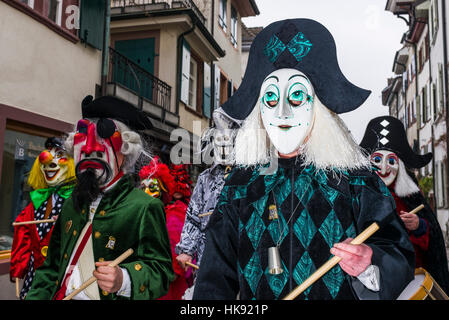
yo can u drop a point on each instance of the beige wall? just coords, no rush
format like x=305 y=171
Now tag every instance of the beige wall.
x=42 y=72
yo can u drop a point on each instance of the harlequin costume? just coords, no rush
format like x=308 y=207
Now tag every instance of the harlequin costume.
x=162 y=182
x=313 y=189
x=110 y=217
x=386 y=141
x=52 y=178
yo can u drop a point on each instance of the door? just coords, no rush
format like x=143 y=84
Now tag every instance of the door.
x=141 y=52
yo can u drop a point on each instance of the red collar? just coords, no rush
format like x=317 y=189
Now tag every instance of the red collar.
x=116 y=178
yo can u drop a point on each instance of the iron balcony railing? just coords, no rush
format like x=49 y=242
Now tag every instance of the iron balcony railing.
x=150 y=5
x=129 y=74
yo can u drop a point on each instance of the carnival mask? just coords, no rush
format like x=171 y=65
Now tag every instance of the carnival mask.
x=286 y=107
x=54 y=165
x=97 y=146
x=152 y=187
x=388 y=164
x=223 y=144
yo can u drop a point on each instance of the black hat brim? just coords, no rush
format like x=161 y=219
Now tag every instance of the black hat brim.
x=115 y=108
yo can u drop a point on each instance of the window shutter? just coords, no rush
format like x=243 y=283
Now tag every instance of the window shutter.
x=207 y=101
x=92 y=22
x=185 y=72
x=217 y=86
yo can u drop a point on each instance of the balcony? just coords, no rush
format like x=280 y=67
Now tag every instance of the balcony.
x=119 y=7
x=131 y=82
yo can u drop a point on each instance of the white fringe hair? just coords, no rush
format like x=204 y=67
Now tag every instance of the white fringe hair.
x=132 y=146
x=404 y=184
x=328 y=146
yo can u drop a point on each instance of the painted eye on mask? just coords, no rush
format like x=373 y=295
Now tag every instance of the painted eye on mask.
x=271 y=96
x=391 y=161
x=297 y=95
x=376 y=159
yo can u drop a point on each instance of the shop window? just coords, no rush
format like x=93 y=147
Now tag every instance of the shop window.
x=19 y=153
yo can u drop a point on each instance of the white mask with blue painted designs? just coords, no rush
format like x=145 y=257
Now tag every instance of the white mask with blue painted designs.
x=286 y=107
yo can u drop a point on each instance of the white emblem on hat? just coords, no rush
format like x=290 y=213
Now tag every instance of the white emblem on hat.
x=384 y=132
x=384 y=141
x=384 y=123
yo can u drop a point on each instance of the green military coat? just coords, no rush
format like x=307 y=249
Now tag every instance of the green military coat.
x=125 y=218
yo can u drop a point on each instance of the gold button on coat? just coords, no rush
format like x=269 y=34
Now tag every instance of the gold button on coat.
x=44 y=251
x=97 y=235
x=142 y=288
x=105 y=293
x=65 y=256
x=100 y=259
x=74 y=232
x=102 y=213
x=138 y=266
x=83 y=211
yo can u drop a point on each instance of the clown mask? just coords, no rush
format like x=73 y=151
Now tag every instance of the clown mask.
x=286 y=108
x=388 y=164
x=54 y=166
x=152 y=186
x=223 y=144
x=97 y=145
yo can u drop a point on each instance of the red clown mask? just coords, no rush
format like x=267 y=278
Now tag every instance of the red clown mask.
x=97 y=145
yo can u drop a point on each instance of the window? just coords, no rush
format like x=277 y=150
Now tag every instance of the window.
x=433 y=19
x=434 y=99
x=234 y=20
x=222 y=16
x=424 y=109
x=30 y=3
x=55 y=11
x=19 y=154
x=193 y=83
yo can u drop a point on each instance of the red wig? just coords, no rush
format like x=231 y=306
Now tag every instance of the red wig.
x=182 y=179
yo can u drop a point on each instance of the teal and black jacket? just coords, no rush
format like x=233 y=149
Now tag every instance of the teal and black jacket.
x=315 y=209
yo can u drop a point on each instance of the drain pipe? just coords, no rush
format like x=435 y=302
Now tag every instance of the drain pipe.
x=446 y=103
x=105 y=53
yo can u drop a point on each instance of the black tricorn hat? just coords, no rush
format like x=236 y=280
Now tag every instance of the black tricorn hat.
x=304 y=45
x=115 y=108
x=388 y=133
x=54 y=142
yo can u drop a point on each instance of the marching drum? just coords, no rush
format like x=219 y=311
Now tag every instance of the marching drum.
x=423 y=287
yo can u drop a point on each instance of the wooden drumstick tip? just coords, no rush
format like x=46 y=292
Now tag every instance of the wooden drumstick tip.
x=192 y=265
x=33 y=222
x=421 y=206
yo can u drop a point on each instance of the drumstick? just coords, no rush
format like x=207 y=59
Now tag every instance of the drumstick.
x=192 y=265
x=205 y=214
x=17 y=288
x=421 y=206
x=92 y=279
x=330 y=263
x=33 y=222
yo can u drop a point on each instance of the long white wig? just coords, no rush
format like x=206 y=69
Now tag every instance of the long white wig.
x=132 y=146
x=404 y=184
x=329 y=144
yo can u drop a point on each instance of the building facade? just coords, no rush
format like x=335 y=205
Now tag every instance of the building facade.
x=417 y=93
x=50 y=59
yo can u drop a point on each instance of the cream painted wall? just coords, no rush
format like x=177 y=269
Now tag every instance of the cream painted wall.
x=42 y=72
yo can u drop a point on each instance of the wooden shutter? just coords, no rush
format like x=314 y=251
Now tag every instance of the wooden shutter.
x=185 y=72
x=92 y=22
x=207 y=101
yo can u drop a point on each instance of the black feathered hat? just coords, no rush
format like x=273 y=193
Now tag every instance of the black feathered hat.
x=115 y=108
x=388 y=133
x=304 y=45
x=54 y=142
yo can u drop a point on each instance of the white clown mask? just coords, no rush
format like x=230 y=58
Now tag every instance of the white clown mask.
x=53 y=164
x=388 y=164
x=286 y=107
